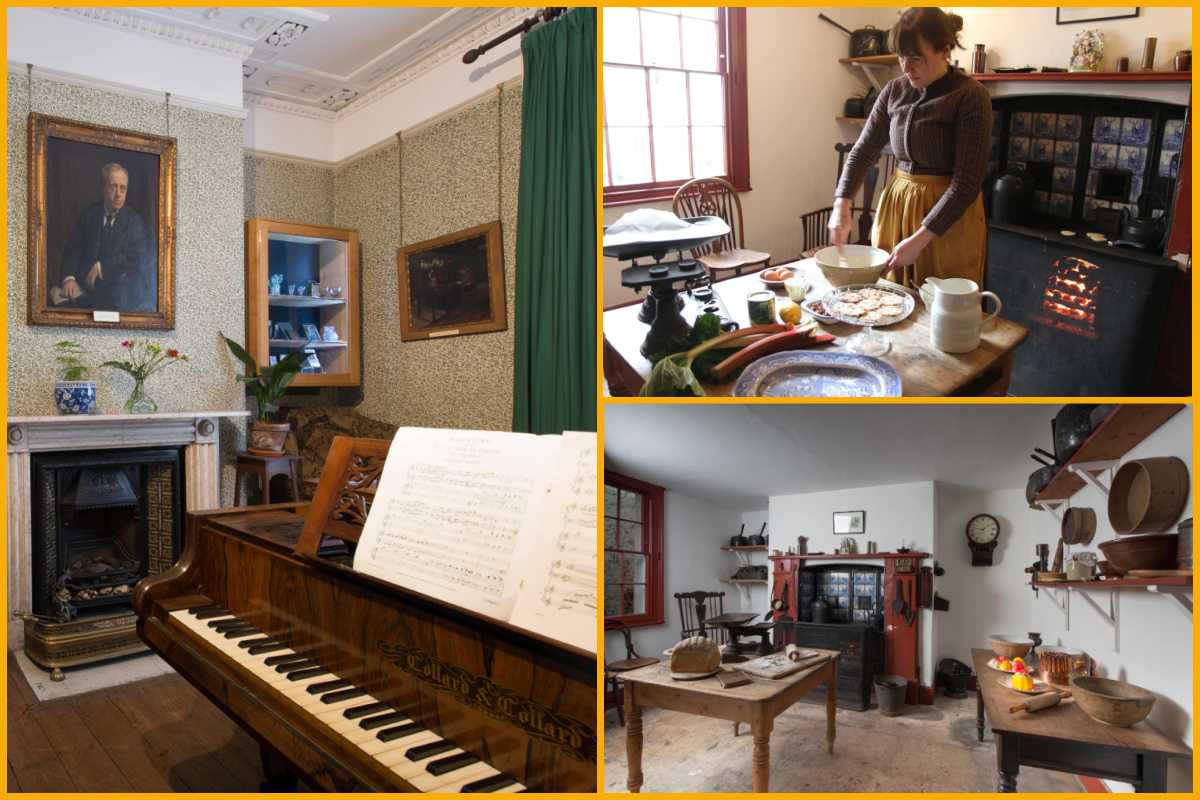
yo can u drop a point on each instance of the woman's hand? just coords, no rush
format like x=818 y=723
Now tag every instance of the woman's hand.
x=839 y=222
x=909 y=249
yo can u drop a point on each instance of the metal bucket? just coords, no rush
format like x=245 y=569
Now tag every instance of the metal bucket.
x=890 y=691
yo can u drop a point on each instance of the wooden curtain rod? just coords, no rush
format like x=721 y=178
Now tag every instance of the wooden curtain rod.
x=545 y=15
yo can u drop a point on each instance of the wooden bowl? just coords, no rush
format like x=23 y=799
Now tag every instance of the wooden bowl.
x=1108 y=570
x=1152 y=551
x=1147 y=495
x=1010 y=646
x=1052 y=576
x=1112 y=702
x=863 y=264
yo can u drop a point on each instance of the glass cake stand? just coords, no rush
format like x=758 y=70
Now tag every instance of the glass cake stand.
x=867 y=342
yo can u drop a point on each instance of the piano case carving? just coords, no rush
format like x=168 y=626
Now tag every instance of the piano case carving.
x=524 y=704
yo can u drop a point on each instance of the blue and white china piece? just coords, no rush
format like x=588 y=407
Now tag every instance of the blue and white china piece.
x=811 y=374
x=75 y=397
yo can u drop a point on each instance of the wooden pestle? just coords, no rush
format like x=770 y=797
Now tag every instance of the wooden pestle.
x=1039 y=702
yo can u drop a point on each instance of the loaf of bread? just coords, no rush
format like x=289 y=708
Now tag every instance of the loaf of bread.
x=695 y=654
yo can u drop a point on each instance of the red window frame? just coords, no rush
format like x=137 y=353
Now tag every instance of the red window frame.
x=652 y=548
x=732 y=23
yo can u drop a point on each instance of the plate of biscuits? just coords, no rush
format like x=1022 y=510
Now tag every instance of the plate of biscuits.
x=867 y=305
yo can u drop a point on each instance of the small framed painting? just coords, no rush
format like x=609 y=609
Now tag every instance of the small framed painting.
x=452 y=285
x=1069 y=15
x=849 y=521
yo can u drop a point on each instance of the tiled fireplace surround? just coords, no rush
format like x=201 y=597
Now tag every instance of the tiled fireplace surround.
x=196 y=431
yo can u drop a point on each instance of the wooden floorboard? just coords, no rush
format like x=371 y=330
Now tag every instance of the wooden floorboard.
x=159 y=735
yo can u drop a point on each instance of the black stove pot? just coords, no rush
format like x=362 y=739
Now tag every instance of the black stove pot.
x=1012 y=196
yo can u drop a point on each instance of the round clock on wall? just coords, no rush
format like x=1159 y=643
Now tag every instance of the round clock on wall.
x=983 y=532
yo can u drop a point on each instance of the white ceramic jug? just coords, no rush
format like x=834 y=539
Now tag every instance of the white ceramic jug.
x=956 y=322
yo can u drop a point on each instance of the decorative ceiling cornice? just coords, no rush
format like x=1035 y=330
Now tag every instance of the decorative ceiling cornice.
x=450 y=51
x=154 y=30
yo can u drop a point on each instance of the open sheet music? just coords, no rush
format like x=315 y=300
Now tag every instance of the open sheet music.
x=500 y=523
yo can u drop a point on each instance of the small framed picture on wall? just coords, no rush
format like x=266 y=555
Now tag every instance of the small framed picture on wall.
x=849 y=521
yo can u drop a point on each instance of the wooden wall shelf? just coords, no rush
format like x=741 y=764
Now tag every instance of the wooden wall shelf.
x=1113 y=584
x=1125 y=428
x=747 y=547
x=891 y=60
x=831 y=556
x=1085 y=77
x=742 y=580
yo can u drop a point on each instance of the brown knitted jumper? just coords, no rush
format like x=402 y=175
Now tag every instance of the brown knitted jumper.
x=943 y=129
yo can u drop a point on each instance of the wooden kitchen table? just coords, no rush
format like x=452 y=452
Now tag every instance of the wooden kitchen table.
x=757 y=703
x=924 y=370
x=1065 y=739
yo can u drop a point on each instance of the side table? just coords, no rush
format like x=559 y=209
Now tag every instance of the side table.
x=266 y=467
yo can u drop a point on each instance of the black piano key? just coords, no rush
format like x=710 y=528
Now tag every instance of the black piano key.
x=329 y=686
x=423 y=751
x=241 y=633
x=211 y=611
x=365 y=711
x=305 y=674
x=286 y=658
x=490 y=784
x=450 y=763
x=253 y=642
x=259 y=649
x=198 y=610
x=371 y=723
x=292 y=666
x=220 y=626
x=388 y=734
x=344 y=694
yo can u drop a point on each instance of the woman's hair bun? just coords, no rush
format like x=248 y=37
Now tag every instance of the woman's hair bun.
x=956 y=22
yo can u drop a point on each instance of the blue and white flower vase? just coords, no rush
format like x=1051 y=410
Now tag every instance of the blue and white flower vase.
x=75 y=397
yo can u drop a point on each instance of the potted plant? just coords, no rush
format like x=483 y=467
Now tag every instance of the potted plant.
x=75 y=391
x=264 y=436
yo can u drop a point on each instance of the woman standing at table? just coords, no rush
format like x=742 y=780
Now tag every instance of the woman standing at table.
x=939 y=123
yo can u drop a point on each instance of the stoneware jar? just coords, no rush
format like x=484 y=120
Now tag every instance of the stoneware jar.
x=954 y=308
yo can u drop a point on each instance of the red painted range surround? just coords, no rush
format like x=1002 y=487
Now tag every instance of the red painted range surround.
x=901 y=642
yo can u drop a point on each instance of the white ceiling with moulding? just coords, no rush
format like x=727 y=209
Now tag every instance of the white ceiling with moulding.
x=738 y=456
x=305 y=70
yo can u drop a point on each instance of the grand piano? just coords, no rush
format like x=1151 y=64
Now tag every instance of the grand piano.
x=354 y=684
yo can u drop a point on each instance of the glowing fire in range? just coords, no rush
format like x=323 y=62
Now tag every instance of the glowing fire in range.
x=1070 y=297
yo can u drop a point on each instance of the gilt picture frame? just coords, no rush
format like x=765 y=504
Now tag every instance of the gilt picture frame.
x=849 y=522
x=101 y=226
x=453 y=285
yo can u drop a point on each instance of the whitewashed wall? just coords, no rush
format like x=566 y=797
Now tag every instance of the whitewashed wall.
x=757 y=596
x=1153 y=646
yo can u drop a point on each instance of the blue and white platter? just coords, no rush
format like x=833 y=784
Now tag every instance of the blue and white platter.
x=813 y=374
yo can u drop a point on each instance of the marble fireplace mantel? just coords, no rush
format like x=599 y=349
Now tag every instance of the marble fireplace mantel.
x=197 y=431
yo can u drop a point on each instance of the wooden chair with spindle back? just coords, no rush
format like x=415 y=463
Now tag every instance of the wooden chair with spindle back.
x=713 y=197
x=815 y=223
x=632 y=661
x=695 y=608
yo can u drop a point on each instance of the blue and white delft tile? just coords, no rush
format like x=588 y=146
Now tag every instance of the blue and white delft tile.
x=1104 y=156
x=1068 y=127
x=869 y=589
x=997 y=122
x=1066 y=154
x=1089 y=209
x=1042 y=151
x=1166 y=167
x=1173 y=134
x=1107 y=129
x=1135 y=187
x=994 y=149
x=1044 y=125
x=1060 y=204
x=1018 y=148
x=1132 y=159
x=1041 y=202
x=1021 y=124
x=1135 y=130
x=1093 y=179
x=1020 y=164
x=843 y=601
x=1064 y=179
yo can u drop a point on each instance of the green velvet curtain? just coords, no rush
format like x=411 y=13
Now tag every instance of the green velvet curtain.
x=555 y=370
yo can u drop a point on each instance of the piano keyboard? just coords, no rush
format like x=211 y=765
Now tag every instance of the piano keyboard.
x=424 y=759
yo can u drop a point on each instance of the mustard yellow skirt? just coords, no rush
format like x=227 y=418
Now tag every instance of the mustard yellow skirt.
x=959 y=253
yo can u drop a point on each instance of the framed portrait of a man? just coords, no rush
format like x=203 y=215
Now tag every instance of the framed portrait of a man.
x=101 y=226
x=452 y=285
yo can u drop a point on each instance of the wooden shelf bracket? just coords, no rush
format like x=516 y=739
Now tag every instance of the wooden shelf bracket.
x=1055 y=507
x=1180 y=594
x=1090 y=471
x=1062 y=603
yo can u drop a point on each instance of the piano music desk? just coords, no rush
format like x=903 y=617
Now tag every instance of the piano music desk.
x=757 y=703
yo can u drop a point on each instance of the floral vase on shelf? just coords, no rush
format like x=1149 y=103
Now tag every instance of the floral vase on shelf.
x=144 y=359
x=1087 y=52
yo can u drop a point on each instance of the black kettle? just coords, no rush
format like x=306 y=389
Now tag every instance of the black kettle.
x=1012 y=196
x=1146 y=229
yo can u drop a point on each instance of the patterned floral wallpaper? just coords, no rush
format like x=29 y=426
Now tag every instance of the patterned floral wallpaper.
x=209 y=264
x=450 y=183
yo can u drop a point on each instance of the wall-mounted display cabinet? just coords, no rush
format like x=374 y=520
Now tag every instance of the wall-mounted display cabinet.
x=302 y=292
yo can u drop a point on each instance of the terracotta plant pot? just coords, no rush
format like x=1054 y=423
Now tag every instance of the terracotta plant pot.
x=266 y=438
